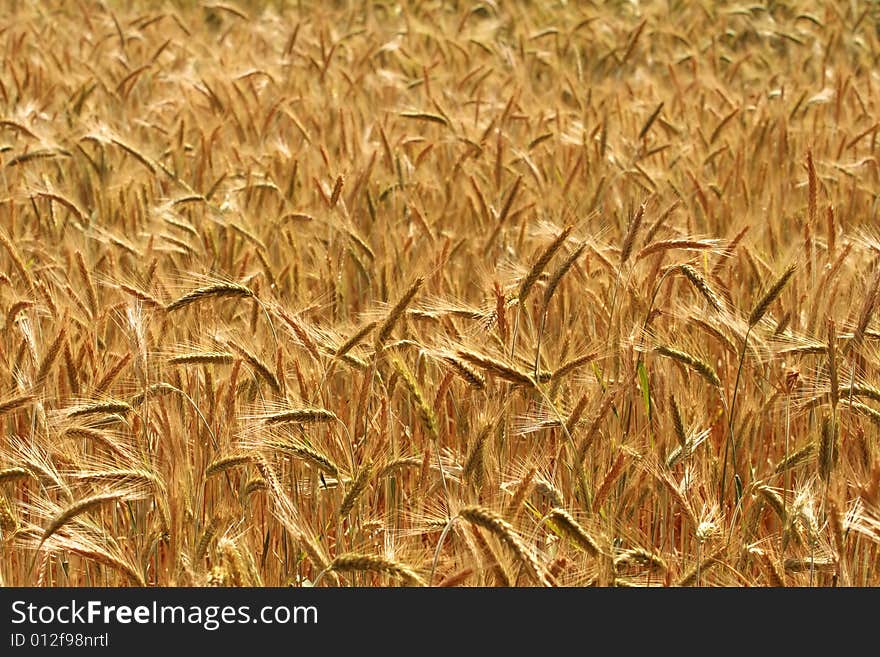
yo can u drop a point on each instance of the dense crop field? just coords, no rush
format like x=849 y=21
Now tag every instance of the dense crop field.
x=457 y=294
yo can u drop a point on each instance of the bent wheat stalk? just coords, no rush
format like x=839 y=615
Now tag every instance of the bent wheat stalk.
x=758 y=312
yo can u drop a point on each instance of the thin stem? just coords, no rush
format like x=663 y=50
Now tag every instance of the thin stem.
x=829 y=452
x=538 y=347
x=442 y=538
x=515 y=330
x=730 y=445
x=699 y=559
x=785 y=477
x=812 y=561
x=640 y=351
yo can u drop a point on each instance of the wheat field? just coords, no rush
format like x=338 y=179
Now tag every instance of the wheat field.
x=439 y=294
